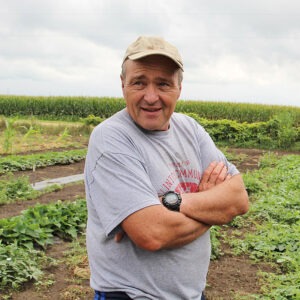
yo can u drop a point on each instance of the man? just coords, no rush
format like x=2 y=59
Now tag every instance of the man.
x=155 y=184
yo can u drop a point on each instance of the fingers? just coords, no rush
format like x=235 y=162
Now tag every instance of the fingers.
x=213 y=175
x=218 y=174
x=208 y=171
x=119 y=236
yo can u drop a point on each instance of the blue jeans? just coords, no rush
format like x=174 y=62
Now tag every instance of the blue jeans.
x=111 y=296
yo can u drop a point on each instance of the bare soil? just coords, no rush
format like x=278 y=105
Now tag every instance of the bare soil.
x=227 y=276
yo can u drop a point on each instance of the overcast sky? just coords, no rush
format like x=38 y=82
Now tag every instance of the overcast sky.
x=233 y=50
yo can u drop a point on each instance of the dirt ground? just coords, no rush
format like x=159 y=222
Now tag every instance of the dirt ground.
x=227 y=275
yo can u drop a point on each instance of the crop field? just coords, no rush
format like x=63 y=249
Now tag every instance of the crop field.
x=42 y=232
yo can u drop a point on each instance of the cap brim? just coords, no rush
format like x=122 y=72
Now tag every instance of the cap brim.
x=155 y=52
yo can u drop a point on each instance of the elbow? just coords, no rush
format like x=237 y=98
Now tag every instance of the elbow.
x=242 y=207
x=151 y=246
x=148 y=243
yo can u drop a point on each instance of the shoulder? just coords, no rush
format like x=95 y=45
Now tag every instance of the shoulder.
x=115 y=125
x=115 y=134
x=184 y=124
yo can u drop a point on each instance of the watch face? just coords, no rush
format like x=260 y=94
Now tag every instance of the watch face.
x=171 y=198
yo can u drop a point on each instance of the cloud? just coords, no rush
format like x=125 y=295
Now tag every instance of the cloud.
x=230 y=48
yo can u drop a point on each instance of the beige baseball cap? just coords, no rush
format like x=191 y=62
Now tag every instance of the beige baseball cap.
x=147 y=45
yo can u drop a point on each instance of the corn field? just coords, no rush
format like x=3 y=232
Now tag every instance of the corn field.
x=81 y=107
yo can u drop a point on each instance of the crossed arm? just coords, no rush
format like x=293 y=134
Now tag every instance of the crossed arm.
x=220 y=199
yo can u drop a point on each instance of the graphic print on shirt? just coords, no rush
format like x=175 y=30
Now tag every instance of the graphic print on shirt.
x=183 y=178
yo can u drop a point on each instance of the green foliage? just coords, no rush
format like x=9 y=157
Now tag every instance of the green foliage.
x=215 y=242
x=281 y=128
x=240 y=112
x=273 y=134
x=281 y=286
x=276 y=213
x=37 y=225
x=18 y=265
x=59 y=107
x=16 y=188
x=28 y=162
x=35 y=228
x=269 y=160
x=241 y=125
x=81 y=107
x=253 y=182
x=92 y=120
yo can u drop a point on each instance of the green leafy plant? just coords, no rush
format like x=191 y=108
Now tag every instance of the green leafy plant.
x=21 y=236
x=18 y=265
x=16 y=188
x=268 y=135
x=215 y=242
x=27 y=162
x=92 y=120
x=31 y=131
x=275 y=212
x=37 y=225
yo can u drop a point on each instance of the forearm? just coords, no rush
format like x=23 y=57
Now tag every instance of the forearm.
x=218 y=205
x=155 y=228
x=183 y=232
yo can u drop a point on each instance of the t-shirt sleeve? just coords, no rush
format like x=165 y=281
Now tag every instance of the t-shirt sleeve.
x=119 y=187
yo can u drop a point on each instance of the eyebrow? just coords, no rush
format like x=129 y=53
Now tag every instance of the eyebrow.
x=142 y=77
x=139 y=77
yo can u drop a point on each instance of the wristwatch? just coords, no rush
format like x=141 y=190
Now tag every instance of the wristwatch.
x=172 y=200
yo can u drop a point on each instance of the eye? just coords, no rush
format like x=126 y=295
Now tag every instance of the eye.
x=138 y=83
x=162 y=84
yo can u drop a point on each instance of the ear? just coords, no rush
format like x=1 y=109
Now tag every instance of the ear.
x=123 y=85
x=179 y=91
x=122 y=81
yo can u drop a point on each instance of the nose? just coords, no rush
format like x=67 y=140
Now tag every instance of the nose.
x=151 y=94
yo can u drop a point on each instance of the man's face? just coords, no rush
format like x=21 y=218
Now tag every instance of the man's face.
x=151 y=89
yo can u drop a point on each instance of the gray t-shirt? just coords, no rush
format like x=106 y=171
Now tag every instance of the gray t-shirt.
x=127 y=169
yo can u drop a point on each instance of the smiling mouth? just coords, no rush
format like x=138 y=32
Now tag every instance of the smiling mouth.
x=151 y=109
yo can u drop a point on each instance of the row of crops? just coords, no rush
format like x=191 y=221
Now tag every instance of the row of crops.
x=22 y=239
x=239 y=125
x=82 y=107
x=14 y=188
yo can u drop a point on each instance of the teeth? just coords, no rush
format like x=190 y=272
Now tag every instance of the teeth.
x=155 y=109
